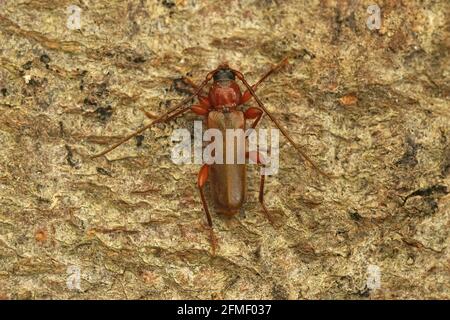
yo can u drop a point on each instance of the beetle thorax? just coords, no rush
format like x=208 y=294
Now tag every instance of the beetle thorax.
x=224 y=94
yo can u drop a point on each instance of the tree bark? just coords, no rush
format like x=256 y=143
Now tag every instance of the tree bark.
x=370 y=107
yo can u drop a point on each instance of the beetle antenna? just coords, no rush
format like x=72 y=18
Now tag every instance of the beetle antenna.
x=167 y=116
x=275 y=121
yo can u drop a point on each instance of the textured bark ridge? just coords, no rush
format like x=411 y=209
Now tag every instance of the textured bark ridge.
x=369 y=106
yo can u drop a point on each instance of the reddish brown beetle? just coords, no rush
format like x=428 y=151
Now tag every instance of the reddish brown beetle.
x=222 y=108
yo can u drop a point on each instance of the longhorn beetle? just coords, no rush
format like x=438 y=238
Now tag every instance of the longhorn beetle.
x=223 y=109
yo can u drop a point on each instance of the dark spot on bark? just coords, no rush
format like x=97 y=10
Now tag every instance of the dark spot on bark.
x=139 y=59
x=168 y=4
x=364 y=292
x=445 y=167
x=266 y=3
x=69 y=157
x=397 y=42
x=102 y=90
x=180 y=86
x=61 y=128
x=43 y=200
x=165 y=104
x=342 y=233
x=43 y=104
x=286 y=117
x=411 y=257
x=279 y=292
x=432 y=203
x=81 y=75
x=305 y=252
x=351 y=22
x=428 y=205
x=45 y=59
x=5 y=92
x=33 y=82
x=103 y=172
x=232 y=282
x=426 y=192
x=414 y=55
x=27 y=65
x=139 y=139
x=339 y=21
x=409 y=157
x=257 y=253
x=304 y=53
x=354 y=215
x=104 y=113
x=157 y=252
x=241 y=210
x=337 y=26
x=88 y=101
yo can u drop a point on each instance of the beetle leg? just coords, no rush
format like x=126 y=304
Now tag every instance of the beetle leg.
x=253 y=113
x=246 y=96
x=261 y=199
x=204 y=102
x=258 y=158
x=202 y=178
x=256 y=113
x=200 y=110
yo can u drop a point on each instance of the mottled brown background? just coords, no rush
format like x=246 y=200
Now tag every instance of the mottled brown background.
x=370 y=106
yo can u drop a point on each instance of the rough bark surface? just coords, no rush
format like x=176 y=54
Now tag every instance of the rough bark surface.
x=369 y=106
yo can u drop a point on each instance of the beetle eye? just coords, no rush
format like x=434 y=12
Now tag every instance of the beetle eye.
x=224 y=74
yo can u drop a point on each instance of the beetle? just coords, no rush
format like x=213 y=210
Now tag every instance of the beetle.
x=222 y=108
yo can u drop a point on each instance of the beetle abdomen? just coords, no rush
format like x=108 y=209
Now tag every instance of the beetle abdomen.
x=228 y=181
x=228 y=187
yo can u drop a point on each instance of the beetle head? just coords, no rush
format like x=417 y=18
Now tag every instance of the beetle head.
x=224 y=73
